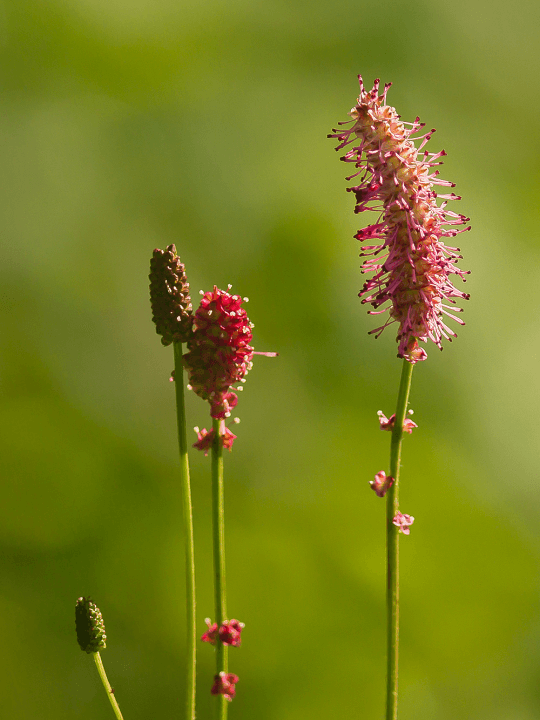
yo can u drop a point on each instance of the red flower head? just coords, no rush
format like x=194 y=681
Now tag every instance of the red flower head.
x=219 y=353
x=224 y=684
x=410 y=262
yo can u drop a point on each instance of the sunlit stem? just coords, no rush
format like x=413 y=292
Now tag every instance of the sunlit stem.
x=107 y=685
x=191 y=629
x=392 y=546
x=218 y=524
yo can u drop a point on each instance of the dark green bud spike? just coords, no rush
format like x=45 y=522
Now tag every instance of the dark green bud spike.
x=89 y=626
x=169 y=296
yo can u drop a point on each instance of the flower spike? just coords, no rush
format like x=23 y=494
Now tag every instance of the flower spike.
x=219 y=351
x=89 y=626
x=410 y=263
x=169 y=296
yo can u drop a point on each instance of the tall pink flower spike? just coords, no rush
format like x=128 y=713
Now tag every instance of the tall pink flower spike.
x=410 y=262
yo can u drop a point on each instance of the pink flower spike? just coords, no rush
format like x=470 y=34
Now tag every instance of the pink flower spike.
x=403 y=523
x=381 y=484
x=388 y=423
x=210 y=636
x=410 y=264
x=229 y=633
x=224 y=684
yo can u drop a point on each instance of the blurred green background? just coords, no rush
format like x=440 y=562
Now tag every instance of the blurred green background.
x=131 y=125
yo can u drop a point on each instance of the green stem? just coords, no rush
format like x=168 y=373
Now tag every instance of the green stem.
x=392 y=546
x=188 y=534
x=107 y=685
x=218 y=524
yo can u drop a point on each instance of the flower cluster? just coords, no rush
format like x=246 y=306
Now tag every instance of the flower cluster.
x=410 y=262
x=169 y=296
x=229 y=632
x=388 y=423
x=224 y=684
x=89 y=626
x=219 y=351
x=403 y=522
x=381 y=483
x=205 y=438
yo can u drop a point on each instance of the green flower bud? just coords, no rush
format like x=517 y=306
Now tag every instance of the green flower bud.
x=89 y=626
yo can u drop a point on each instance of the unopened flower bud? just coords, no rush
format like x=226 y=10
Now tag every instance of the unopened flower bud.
x=89 y=626
x=169 y=296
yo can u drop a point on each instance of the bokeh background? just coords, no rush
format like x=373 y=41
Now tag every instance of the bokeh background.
x=128 y=125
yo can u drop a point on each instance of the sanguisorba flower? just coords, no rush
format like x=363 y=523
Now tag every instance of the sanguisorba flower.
x=219 y=351
x=403 y=522
x=224 y=684
x=229 y=633
x=89 y=626
x=169 y=296
x=410 y=262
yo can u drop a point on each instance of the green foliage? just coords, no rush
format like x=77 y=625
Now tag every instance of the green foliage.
x=132 y=125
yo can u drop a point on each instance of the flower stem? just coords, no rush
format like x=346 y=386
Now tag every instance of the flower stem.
x=392 y=546
x=188 y=534
x=107 y=685
x=218 y=523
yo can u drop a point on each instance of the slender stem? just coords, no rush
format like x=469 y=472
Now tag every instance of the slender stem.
x=218 y=524
x=392 y=546
x=188 y=534
x=107 y=685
